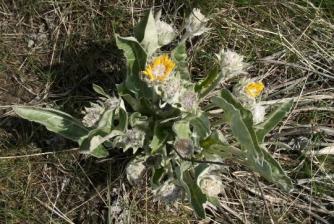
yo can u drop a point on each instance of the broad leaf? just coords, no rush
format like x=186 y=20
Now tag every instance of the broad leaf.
x=182 y=129
x=55 y=121
x=201 y=125
x=179 y=56
x=136 y=61
x=93 y=143
x=122 y=120
x=272 y=121
x=106 y=121
x=216 y=146
x=160 y=136
x=146 y=33
x=139 y=105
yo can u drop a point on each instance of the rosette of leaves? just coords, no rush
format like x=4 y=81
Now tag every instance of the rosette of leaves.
x=165 y=126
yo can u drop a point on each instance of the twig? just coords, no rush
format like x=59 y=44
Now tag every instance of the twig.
x=38 y=154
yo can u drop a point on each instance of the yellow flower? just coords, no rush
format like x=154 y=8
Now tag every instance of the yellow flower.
x=160 y=68
x=254 y=89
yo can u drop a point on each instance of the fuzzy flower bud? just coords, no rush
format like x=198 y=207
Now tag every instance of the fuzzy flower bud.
x=135 y=170
x=171 y=90
x=258 y=112
x=166 y=33
x=169 y=192
x=133 y=138
x=231 y=63
x=184 y=147
x=196 y=23
x=211 y=185
x=93 y=113
x=188 y=100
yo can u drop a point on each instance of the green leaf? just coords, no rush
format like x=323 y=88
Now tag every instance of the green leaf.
x=209 y=83
x=196 y=196
x=182 y=170
x=216 y=146
x=140 y=105
x=146 y=33
x=246 y=114
x=98 y=89
x=122 y=120
x=179 y=56
x=182 y=129
x=92 y=143
x=272 y=121
x=160 y=137
x=136 y=61
x=134 y=53
x=257 y=158
x=201 y=125
x=106 y=121
x=55 y=121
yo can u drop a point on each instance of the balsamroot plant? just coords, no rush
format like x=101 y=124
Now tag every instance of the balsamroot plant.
x=164 y=117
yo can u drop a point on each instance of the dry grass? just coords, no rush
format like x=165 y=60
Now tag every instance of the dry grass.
x=51 y=52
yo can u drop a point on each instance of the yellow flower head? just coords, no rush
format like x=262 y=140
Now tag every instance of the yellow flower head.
x=160 y=68
x=254 y=89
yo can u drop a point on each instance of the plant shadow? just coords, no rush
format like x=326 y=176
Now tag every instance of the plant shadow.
x=71 y=90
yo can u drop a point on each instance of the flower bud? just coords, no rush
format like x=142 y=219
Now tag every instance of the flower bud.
x=133 y=138
x=211 y=185
x=169 y=192
x=92 y=114
x=231 y=63
x=258 y=112
x=188 y=100
x=135 y=170
x=184 y=147
x=166 y=33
